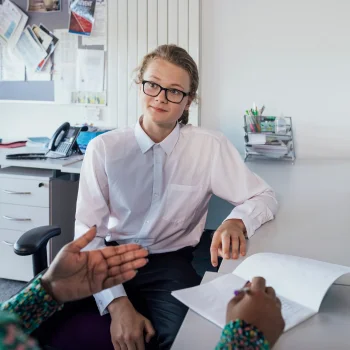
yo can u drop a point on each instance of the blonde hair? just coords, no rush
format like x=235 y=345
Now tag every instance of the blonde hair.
x=181 y=58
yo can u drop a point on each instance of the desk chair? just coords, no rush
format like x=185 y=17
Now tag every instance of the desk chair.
x=34 y=242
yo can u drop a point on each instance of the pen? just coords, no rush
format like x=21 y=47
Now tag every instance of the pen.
x=242 y=290
x=262 y=110
x=75 y=160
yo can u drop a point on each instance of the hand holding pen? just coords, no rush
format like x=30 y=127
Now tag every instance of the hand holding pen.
x=259 y=306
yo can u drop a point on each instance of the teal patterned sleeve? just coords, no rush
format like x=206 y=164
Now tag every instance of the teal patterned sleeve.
x=33 y=305
x=239 y=335
x=12 y=336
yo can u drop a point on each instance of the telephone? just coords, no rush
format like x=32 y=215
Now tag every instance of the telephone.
x=63 y=142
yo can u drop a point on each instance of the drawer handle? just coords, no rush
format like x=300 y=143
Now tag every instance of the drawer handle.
x=14 y=192
x=16 y=219
x=8 y=243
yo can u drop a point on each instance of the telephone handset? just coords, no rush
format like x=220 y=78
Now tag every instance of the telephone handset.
x=63 y=142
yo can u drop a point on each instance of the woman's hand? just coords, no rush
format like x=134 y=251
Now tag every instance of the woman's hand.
x=259 y=307
x=75 y=274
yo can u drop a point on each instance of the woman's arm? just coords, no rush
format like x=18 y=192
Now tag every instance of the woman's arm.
x=32 y=305
x=12 y=336
x=241 y=335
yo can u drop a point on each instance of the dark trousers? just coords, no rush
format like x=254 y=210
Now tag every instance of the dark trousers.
x=79 y=325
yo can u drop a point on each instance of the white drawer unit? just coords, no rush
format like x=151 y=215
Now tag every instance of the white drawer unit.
x=13 y=266
x=23 y=217
x=30 y=198
x=25 y=191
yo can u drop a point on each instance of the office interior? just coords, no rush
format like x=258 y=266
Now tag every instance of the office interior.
x=291 y=56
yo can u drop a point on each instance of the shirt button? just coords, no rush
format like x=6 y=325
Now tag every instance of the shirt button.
x=137 y=241
x=147 y=222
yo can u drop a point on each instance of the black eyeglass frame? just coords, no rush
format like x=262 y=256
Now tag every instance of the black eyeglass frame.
x=184 y=94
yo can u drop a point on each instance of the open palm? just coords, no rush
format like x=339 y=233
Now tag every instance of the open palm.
x=76 y=274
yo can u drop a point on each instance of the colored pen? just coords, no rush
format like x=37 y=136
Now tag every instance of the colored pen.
x=242 y=290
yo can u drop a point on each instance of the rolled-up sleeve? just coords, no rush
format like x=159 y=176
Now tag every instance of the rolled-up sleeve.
x=255 y=202
x=92 y=209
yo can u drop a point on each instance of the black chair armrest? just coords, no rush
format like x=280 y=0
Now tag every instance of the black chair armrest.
x=33 y=242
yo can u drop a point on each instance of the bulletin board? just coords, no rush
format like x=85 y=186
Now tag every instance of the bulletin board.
x=44 y=91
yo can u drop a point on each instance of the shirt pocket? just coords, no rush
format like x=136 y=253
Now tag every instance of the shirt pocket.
x=181 y=202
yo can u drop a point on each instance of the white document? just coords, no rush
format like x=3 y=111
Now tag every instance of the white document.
x=65 y=60
x=29 y=50
x=99 y=30
x=90 y=70
x=300 y=283
x=12 y=22
x=11 y=68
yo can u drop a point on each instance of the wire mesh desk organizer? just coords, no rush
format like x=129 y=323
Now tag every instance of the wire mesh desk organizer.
x=263 y=139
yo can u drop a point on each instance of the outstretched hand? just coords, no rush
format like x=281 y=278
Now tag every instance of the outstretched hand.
x=76 y=274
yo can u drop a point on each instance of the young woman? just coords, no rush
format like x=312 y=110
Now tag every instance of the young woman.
x=150 y=184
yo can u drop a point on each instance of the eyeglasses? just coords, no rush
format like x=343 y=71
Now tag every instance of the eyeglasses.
x=172 y=95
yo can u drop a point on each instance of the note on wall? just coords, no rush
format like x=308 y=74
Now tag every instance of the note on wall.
x=90 y=70
x=65 y=58
x=11 y=68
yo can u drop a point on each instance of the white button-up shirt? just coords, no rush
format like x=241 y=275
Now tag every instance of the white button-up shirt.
x=156 y=195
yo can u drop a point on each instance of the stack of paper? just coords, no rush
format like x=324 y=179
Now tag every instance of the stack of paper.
x=274 y=149
x=300 y=284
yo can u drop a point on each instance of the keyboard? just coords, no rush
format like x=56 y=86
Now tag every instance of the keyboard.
x=24 y=156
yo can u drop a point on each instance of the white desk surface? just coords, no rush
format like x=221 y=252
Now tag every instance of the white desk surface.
x=53 y=164
x=313 y=220
x=329 y=329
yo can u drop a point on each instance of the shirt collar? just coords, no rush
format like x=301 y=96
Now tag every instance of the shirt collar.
x=145 y=143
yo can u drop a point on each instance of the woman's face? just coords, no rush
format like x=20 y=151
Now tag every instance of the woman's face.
x=157 y=109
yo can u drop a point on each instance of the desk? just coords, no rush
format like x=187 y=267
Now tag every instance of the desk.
x=52 y=164
x=328 y=329
x=34 y=193
x=313 y=220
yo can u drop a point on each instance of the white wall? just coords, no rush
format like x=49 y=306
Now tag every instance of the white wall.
x=292 y=56
x=134 y=28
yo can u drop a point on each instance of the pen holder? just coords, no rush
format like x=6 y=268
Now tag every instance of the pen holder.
x=254 y=123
